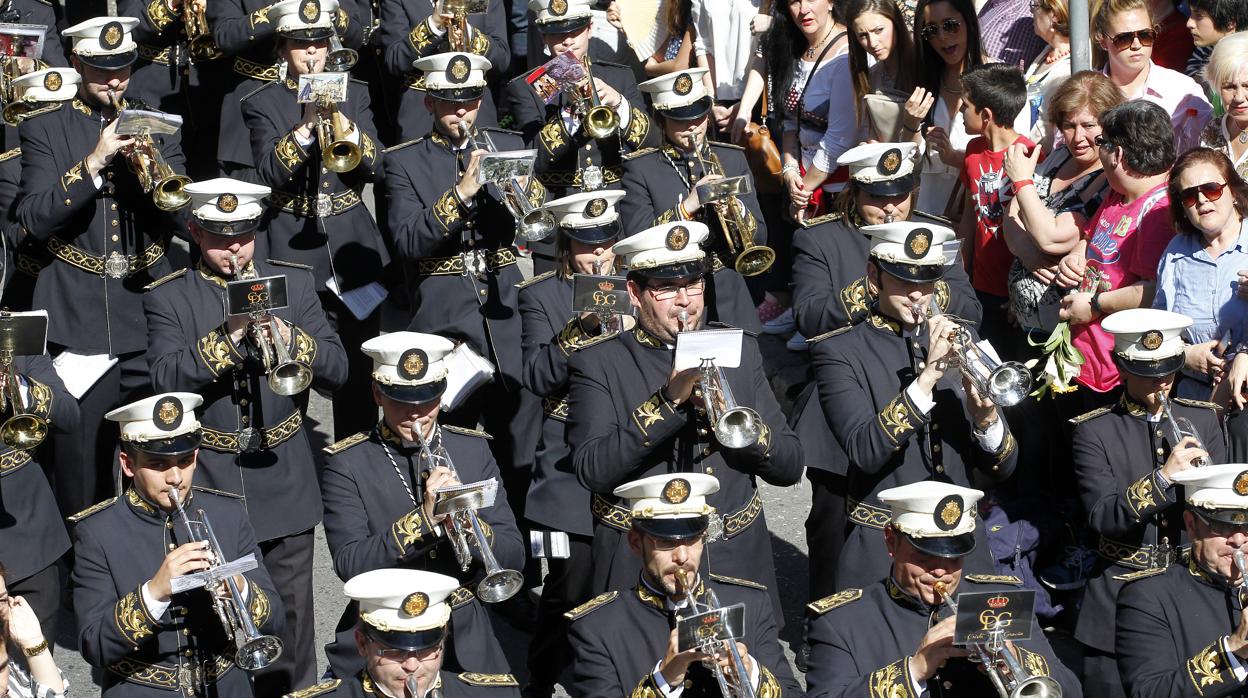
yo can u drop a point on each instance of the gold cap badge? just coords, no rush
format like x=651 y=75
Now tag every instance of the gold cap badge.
x=413 y=364
x=111 y=35
x=918 y=242
x=1241 y=484
x=167 y=414
x=558 y=7
x=52 y=81
x=677 y=238
x=676 y=491
x=890 y=162
x=683 y=85
x=310 y=11
x=1151 y=340
x=948 y=512
x=416 y=603
x=227 y=203
x=595 y=208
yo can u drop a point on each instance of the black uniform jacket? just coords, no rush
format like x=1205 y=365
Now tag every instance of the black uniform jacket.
x=618 y=639
x=458 y=256
x=119 y=546
x=32 y=532
x=863 y=373
x=861 y=641
x=405 y=36
x=621 y=429
x=342 y=242
x=191 y=351
x=369 y=484
x=84 y=227
x=1169 y=634
x=452 y=685
x=1117 y=454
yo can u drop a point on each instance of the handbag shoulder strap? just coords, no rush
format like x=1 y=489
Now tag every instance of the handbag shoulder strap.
x=801 y=99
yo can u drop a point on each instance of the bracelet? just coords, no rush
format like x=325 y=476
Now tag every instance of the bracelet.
x=1018 y=186
x=1096 y=303
x=32 y=652
x=684 y=213
x=787 y=169
x=907 y=129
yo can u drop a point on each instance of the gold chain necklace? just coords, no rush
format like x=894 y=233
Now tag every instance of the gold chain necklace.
x=810 y=52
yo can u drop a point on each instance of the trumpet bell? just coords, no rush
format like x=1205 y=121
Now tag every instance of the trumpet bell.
x=23 y=431
x=537 y=224
x=342 y=156
x=341 y=60
x=738 y=428
x=1037 y=687
x=290 y=378
x=601 y=122
x=258 y=653
x=755 y=260
x=500 y=586
x=169 y=194
x=1009 y=383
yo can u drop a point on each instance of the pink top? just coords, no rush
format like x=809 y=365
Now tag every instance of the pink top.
x=1125 y=241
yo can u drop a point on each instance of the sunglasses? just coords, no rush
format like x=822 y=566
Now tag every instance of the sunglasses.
x=1125 y=40
x=1211 y=190
x=950 y=27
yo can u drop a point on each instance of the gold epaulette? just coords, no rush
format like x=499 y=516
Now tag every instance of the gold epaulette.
x=540 y=277
x=473 y=678
x=40 y=111
x=496 y=129
x=739 y=582
x=932 y=217
x=825 y=218
x=94 y=509
x=994 y=579
x=163 y=279
x=828 y=335
x=316 y=689
x=836 y=600
x=460 y=596
x=467 y=432
x=251 y=94
x=284 y=263
x=592 y=605
x=222 y=493
x=343 y=444
x=11 y=153
x=730 y=146
x=1197 y=403
x=1139 y=574
x=404 y=144
x=1089 y=415
x=638 y=153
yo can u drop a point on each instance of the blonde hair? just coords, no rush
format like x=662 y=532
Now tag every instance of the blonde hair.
x=1105 y=10
x=1229 y=58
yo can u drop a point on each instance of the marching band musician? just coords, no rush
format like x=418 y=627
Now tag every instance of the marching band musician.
x=457 y=240
x=41 y=13
x=588 y=224
x=32 y=530
x=415 y=29
x=401 y=638
x=316 y=214
x=1183 y=630
x=630 y=415
x=662 y=185
x=379 y=491
x=897 y=406
x=830 y=293
x=626 y=641
x=145 y=638
x=105 y=239
x=894 y=637
x=246 y=31
x=569 y=159
x=254 y=445
x=1125 y=458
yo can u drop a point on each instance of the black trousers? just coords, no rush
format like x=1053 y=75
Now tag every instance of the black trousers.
x=825 y=529
x=289 y=562
x=1100 y=675
x=42 y=591
x=568 y=584
x=354 y=408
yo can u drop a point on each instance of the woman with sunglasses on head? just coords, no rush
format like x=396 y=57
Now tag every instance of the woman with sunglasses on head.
x=1126 y=31
x=1051 y=22
x=879 y=30
x=1227 y=72
x=1200 y=269
x=35 y=674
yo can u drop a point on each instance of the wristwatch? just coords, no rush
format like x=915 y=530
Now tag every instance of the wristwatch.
x=1096 y=303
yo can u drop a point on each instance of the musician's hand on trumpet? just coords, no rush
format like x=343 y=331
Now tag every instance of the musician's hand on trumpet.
x=680 y=385
x=935 y=648
x=607 y=94
x=185 y=559
x=305 y=130
x=1181 y=457
x=723 y=658
x=439 y=477
x=692 y=203
x=940 y=332
x=468 y=186
x=676 y=663
x=106 y=149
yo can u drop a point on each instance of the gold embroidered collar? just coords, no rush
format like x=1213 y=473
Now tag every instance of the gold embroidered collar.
x=211 y=274
x=883 y=322
x=371 y=689
x=646 y=339
x=142 y=506
x=657 y=601
x=437 y=137
x=1214 y=580
x=392 y=437
x=1132 y=407
x=89 y=110
x=672 y=152
x=900 y=596
x=291 y=84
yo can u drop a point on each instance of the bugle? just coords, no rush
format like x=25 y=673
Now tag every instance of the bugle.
x=1241 y=564
x=15 y=106
x=333 y=131
x=199 y=42
x=23 y=429
x=737 y=686
x=499 y=584
x=532 y=222
x=599 y=120
x=254 y=651
x=752 y=259
x=734 y=426
x=339 y=58
x=156 y=177
x=1179 y=428
x=457 y=32
x=1007 y=674
x=1004 y=383
x=286 y=376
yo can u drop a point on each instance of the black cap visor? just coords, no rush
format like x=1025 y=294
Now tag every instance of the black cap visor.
x=172 y=446
x=594 y=235
x=1155 y=368
x=458 y=94
x=689 y=112
x=114 y=61
x=913 y=273
x=563 y=26
x=950 y=547
x=228 y=228
x=413 y=394
x=678 y=270
x=1238 y=517
x=411 y=640
x=888 y=187
x=310 y=34
x=672 y=529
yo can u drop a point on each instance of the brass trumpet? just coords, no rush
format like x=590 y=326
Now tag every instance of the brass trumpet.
x=340 y=59
x=1179 y=428
x=457 y=32
x=15 y=106
x=156 y=177
x=737 y=686
x=23 y=429
x=735 y=426
x=199 y=40
x=532 y=222
x=285 y=375
x=332 y=130
x=752 y=259
x=599 y=120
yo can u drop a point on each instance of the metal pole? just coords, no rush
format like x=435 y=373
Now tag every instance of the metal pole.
x=1080 y=46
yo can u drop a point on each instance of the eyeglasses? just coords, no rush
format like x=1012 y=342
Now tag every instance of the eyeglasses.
x=1223 y=529
x=1037 y=6
x=1103 y=142
x=398 y=656
x=668 y=292
x=950 y=27
x=1125 y=40
x=1211 y=190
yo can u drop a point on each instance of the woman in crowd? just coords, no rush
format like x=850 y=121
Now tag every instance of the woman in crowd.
x=38 y=676
x=1043 y=221
x=1199 y=271
x=1051 y=22
x=879 y=30
x=675 y=51
x=1227 y=72
x=947 y=33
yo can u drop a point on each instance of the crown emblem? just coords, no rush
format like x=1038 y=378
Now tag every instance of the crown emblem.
x=1241 y=484
x=683 y=85
x=595 y=208
x=558 y=7
x=111 y=35
x=227 y=203
x=1151 y=340
x=676 y=491
x=998 y=602
x=948 y=513
x=310 y=11
x=413 y=364
x=677 y=238
x=415 y=603
x=52 y=81
x=889 y=162
x=606 y=286
x=168 y=414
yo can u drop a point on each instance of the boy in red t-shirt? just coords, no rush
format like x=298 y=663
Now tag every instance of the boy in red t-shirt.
x=992 y=96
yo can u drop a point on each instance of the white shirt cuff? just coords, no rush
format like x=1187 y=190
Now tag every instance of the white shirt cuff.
x=433 y=27
x=98 y=181
x=622 y=110
x=991 y=440
x=1237 y=667
x=921 y=400
x=305 y=142
x=155 y=608
x=664 y=688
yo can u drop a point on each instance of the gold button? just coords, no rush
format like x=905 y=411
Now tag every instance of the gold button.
x=646 y=444
x=703 y=432
x=324 y=185
x=67 y=202
x=113 y=223
x=108 y=175
x=171 y=546
x=245 y=419
x=1165 y=522
x=589 y=146
x=187 y=653
x=922 y=365
x=483 y=292
x=472 y=243
x=996 y=467
x=710 y=471
x=947 y=684
x=706 y=451
x=940 y=468
x=112 y=207
x=116 y=238
x=243 y=402
x=697 y=392
x=1159 y=434
x=182 y=611
x=935 y=448
x=187 y=631
x=168 y=524
x=1161 y=452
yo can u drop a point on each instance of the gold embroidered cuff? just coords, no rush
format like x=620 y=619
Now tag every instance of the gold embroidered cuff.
x=555 y=408
x=260 y=16
x=159 y=15
x=40 y=398
x=259 y=607
x=1209 y=668
x=671 y=214
x=655 y=409
x=647 y=688
x=368 y=147
x=420 y=37
x=738 y=521
x=409 y=529
x=899 y=418
x=302 y=346
x=72 y=176
x=217 y=351
x=341 y=20
x=638 y=127
x=1142 y=495
x=448 y=210
x=289 y=152
x=1035 y=663
x=480 y=43
x=764 y=439
x=460 y=596
x=554 y=136
x=893 y=680
x=133 y=620
x=768 y=687
x=1008 y=444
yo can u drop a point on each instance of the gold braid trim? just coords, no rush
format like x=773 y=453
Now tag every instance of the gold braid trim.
x=217 y=352
x=93 y=263
x=868 y=515
x=12 y=460
x=738 y=521
x=271 y=437
x=611 y=174
x=132 y=618
x=251 y=69
x=305 y=206
x=895 y=419
x=1140 y=495
x=1207 y=668
x=407 y=530
x=892 y=681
